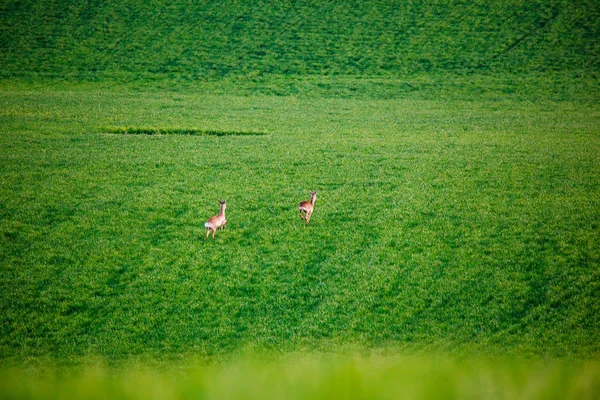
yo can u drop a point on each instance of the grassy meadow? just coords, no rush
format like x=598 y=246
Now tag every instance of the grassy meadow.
x=454 y=227
x=454 y=247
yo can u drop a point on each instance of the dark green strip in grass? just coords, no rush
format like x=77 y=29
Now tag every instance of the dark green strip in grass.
x=178 y=131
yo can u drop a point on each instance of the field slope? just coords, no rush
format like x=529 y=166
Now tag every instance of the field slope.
x=210 y=40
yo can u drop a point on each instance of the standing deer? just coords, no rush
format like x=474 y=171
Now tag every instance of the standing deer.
x=216 y=222
x=307 y=207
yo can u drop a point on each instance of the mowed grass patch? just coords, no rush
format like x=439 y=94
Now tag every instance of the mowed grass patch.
x=175 y=131
x=440 y=225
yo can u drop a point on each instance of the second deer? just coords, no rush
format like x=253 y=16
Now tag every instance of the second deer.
x=307 y=207
x=216 y=222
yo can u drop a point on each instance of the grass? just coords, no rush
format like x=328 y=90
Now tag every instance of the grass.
x=440 y=225
x=210 y=41
x=312 y=376
x=453 y=251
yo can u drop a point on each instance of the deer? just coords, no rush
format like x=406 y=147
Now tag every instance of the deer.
x=307 y=207
x=216 y=222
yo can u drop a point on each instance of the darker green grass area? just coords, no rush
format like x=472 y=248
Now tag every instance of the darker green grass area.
x=177 y=131
x=215 y=40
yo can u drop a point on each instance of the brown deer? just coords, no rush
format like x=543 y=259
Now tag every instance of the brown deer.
x=307 y=207
x=216 y=222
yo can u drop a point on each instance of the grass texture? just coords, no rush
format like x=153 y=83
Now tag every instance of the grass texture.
x=318 y=377
x=454 y=247
x=212 y=40
x=439 y=225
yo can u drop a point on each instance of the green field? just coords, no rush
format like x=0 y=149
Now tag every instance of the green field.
x=311 y=376
x=455 y=242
